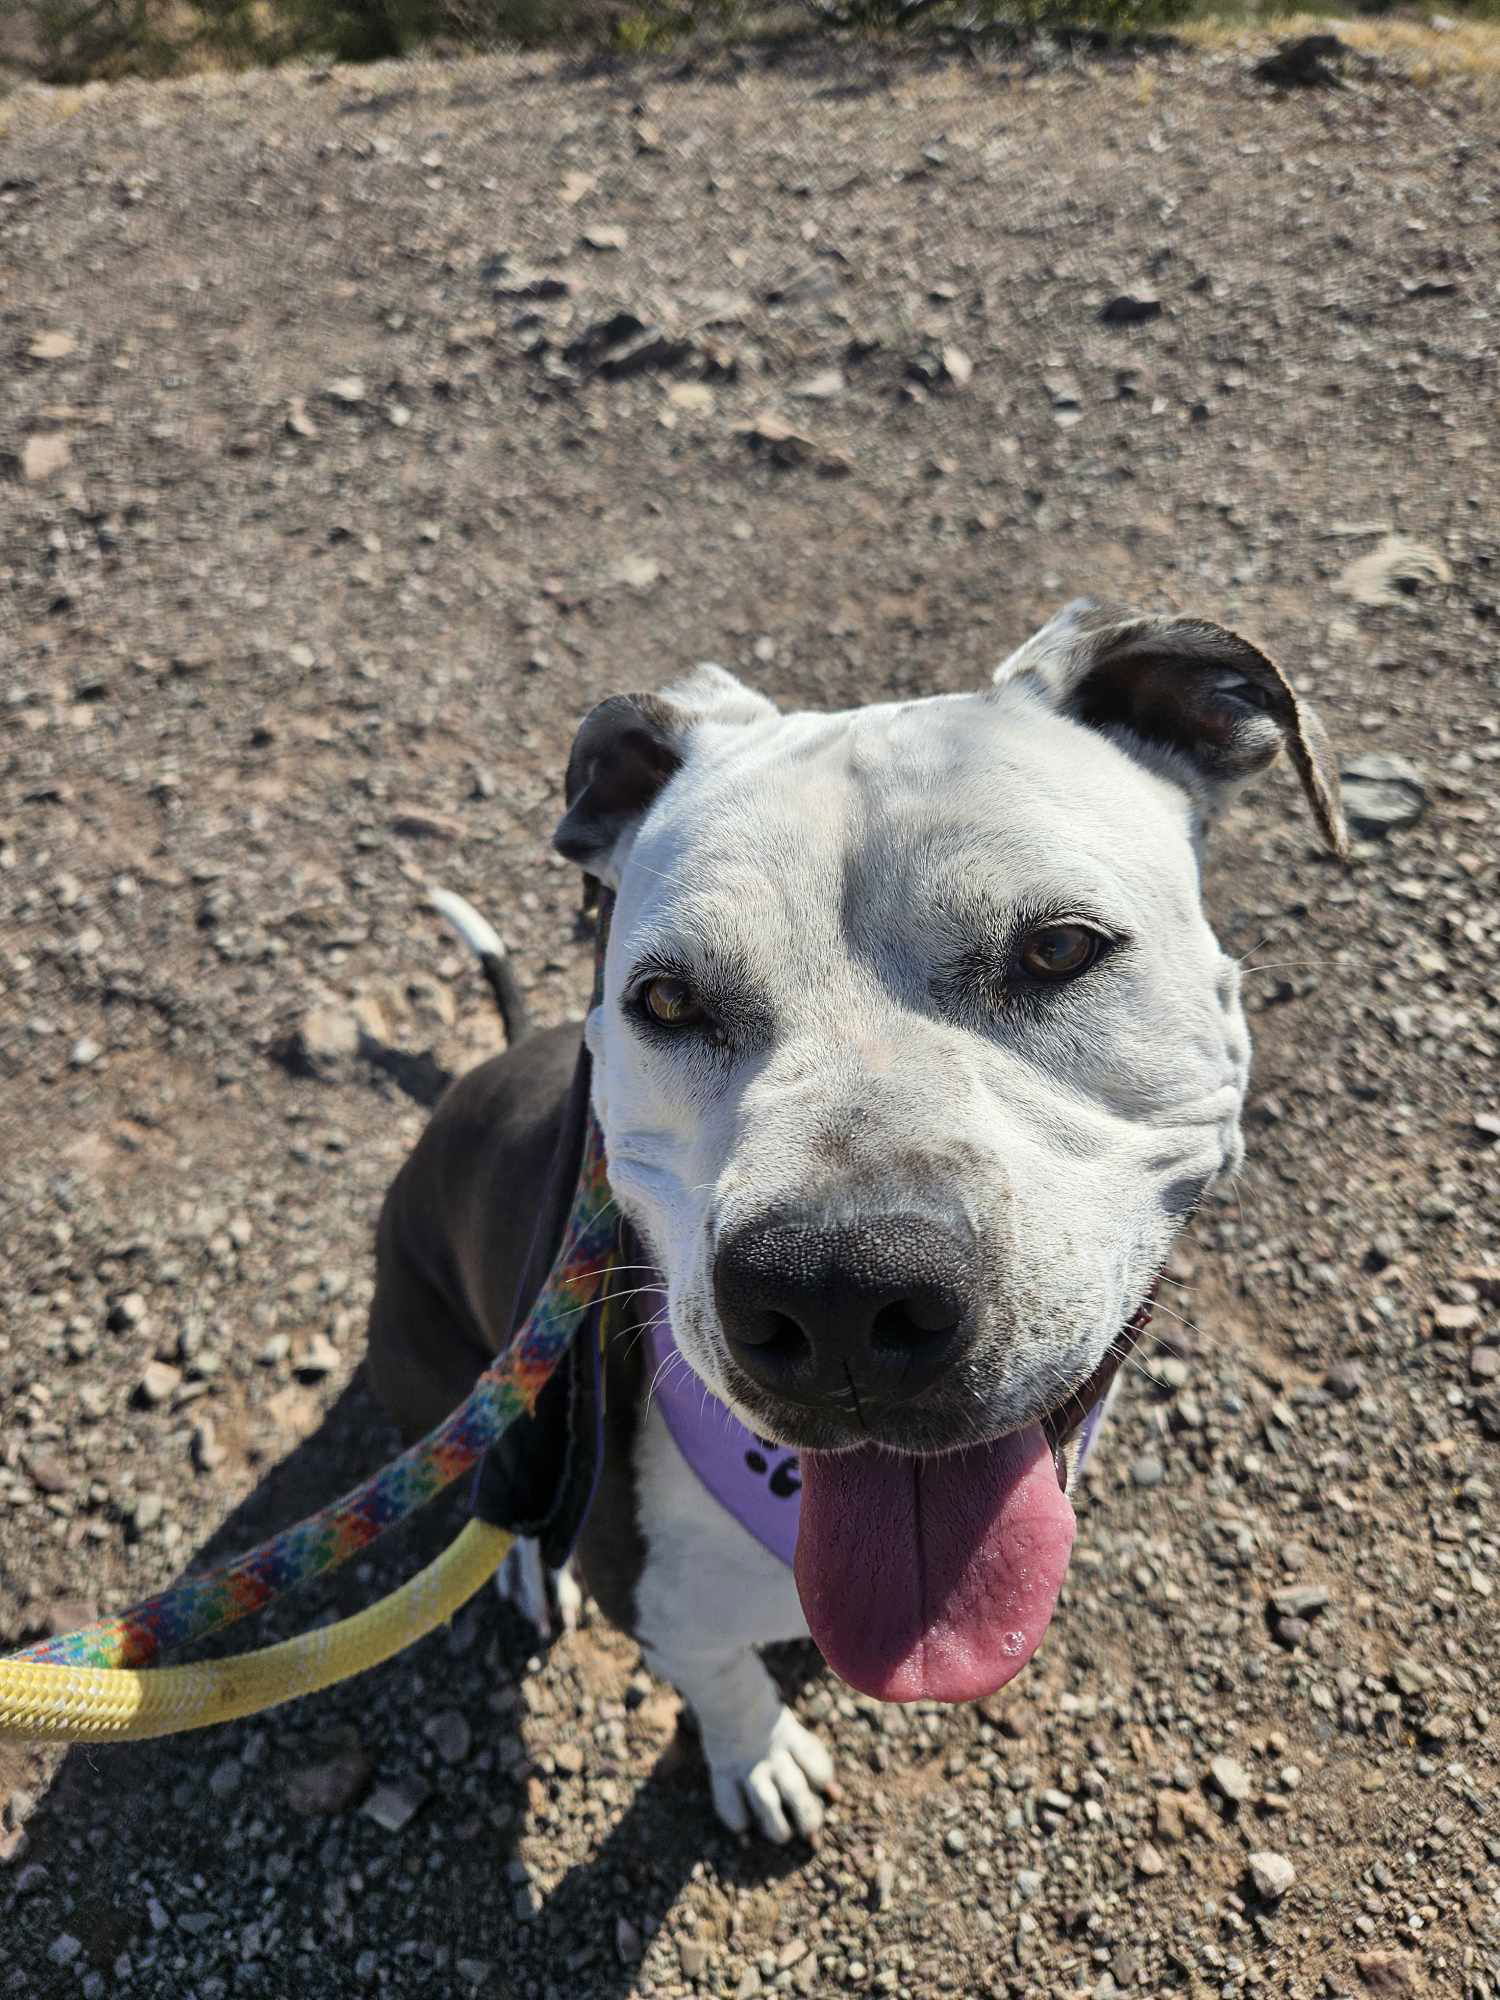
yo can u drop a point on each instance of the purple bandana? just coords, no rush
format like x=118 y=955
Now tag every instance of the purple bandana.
x=758 y=1483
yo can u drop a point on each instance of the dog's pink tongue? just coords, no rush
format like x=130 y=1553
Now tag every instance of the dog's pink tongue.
x=932 y=1578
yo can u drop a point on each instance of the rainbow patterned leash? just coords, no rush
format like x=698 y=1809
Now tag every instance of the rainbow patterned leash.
x=198 y=1605
x=510 y=1386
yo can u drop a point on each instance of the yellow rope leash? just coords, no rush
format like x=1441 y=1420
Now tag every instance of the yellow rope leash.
x=113 y=1704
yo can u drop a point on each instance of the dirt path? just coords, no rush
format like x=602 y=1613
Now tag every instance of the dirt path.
x=335 y=492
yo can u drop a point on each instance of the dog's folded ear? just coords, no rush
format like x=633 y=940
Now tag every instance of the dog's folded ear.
x=1213 y=702
x=629 y=747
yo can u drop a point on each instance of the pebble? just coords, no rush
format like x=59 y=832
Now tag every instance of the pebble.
x=1231 y=1779
x=1148 y=1470
x=225 y=1778
x=692 y=1956
x=1484 y=1366
x=1302 y=1600
x=63 y=1949
x=628 y=1948
x=158 y=1383
x=1381 y=794
x=315 y=1358
x=450 y=1735
x=1149 y=1860
x=395 y=1804
x=1272 y=1875
x=1344 y=1380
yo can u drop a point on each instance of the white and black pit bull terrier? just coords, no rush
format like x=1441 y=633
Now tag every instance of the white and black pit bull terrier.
x=914 y=1050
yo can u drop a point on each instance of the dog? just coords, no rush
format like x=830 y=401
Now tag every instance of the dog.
x=915 y=1049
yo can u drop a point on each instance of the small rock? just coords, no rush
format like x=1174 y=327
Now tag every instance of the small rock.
x=324 y=1038
x=44 y=456
x=208 y=1453
x=1345 y=1380
x=1303 y=1600
x=225 y=1778
x=63 y=1949
x=1411 y=1677
x=346 y=389
x=84 y=1053
x=957 y=367
x=827 y=383
x=160 y=1381
x=1271 y=1874
x=48 y=1473
x=450 y=1735
x=692 y=1956
x=126 y=1312
x=520 y=282
x=1130 y=309
x=52 y=346
x=147 y=1512
x=1455 y=1319
x=605 y=236
x=336 y=1770
x=636 y=572
x=298 y=422
x=1381 y=794
x=474 y=1971
x=1484 y=1366
x=395 y=1804
x=1149 y=1860
x=1148 y=1470
x=627 y=1942
x=1231 y=1779
x=315 y=1358
x=568 y=1757
x=696 y=396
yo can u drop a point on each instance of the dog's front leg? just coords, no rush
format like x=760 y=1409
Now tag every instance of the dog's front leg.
x=548 y=1598
x=707 y=1595
x=763 y=1765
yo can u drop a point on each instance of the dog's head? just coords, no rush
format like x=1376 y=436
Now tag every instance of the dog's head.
x=915 y=1050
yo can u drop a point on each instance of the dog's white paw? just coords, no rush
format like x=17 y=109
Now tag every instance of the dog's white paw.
x=550 y=1599
x=777 y=1789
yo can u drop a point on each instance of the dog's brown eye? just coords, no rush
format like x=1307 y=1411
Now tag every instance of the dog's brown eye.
x=1060 y=951
x=671 y=1002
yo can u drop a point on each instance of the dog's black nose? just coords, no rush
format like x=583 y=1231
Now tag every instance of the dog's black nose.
x=871 y=1310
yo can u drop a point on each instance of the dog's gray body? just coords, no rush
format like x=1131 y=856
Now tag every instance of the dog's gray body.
x=847 y=891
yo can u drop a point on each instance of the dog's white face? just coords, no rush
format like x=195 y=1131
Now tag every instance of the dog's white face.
x=852 y=901
x=916 y=1047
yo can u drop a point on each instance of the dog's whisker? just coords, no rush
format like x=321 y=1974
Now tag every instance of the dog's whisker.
x=1182 y=1320
x=1283 y=964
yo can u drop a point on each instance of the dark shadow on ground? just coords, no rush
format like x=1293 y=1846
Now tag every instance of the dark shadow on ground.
x=473 y=1816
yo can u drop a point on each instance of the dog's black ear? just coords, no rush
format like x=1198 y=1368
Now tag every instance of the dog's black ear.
x=629 y=747
x=1184 y=686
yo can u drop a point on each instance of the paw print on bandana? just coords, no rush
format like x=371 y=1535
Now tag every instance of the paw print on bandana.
x=786 y=1477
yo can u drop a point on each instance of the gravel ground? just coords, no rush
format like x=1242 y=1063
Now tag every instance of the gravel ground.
x=335 y=486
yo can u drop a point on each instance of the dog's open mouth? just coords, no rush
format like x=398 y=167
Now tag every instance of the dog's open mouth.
x=935 y=1578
